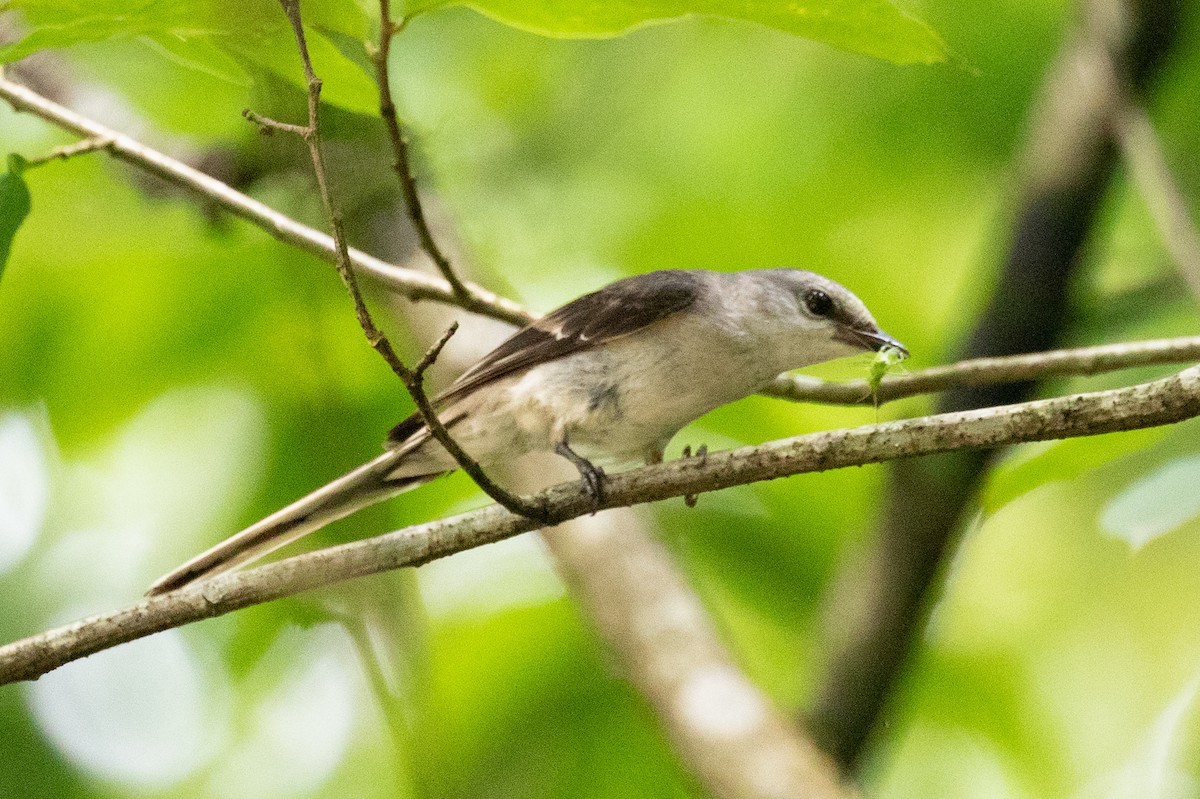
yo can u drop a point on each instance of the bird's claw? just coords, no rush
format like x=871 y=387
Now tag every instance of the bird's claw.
x=590 y=474
x=593 y=483
x=702 y=454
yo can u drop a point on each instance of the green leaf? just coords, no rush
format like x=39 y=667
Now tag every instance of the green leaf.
x=228 y=39
x=1154 y=504
x=62 y=23
x=14 y=206
x=874 y=27
x=200 y=55
x=344 y=83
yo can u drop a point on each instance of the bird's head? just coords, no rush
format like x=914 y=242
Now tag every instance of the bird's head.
x=820 y=320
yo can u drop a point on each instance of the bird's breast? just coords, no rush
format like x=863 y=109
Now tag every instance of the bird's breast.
x=628 y=397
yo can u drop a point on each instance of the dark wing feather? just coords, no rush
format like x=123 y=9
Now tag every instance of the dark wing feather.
x=621 y=308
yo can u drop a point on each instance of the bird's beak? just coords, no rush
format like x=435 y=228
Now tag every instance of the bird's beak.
x=873 y=339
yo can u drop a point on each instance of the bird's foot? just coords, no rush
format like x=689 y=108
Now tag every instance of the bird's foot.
x=702 y=454
x=591 y=474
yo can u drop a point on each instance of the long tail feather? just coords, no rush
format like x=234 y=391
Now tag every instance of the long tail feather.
x=366 y=485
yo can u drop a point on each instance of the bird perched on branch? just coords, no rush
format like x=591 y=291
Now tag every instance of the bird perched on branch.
x=615 y=373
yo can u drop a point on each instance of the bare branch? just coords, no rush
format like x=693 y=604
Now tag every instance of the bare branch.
x=70 y=150
x=1165 y=401
x=401 y=162
x=270 y=126
x=727 y=733
x=414 y=382
x=410 y=282
x=413 y=378
x=1143 y=153
x=431 y=355
x=986 y=371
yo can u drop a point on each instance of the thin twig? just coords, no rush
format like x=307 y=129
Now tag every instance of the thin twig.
x=269 y=126
x=414 y=382
x=401 y=160
x=413 y=378
x=412 y=283
x=433 y=353
x=70 y=150
x=985 y=371
x=1164 y=401
x=1143 y=154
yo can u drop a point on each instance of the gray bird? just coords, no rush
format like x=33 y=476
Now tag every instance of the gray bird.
x=614 y=374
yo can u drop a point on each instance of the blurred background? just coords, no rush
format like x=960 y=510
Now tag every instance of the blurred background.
x=169 y=373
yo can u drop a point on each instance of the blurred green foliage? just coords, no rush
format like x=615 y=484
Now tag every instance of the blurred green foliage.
x=168 y=373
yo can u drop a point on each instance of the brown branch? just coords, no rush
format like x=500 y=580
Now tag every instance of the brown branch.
x=413 y=378
x=411 y=283
x=989 y=371
x=270 y=126
x=724 y=729
x=1164 y=401
x=414 y=382
x=1143 y=153
x=401 y=161
x=70 y=151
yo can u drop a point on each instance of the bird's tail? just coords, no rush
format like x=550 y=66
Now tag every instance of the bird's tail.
x=370 y=483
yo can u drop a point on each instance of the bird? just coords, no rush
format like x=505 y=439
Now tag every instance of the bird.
x=613 y=374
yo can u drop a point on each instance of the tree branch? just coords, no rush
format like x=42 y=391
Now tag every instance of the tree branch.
x=988 y=371
x=414 y=381
x=1143 y=153
x=1165 y=401
x=728 y=734
x=413 y=378
x=413 y=284
x=402 y=163
x=67 y=151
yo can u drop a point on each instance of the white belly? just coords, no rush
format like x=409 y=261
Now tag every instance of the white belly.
x=626 y=400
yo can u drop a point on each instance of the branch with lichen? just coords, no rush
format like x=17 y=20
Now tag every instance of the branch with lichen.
x=1160 y=402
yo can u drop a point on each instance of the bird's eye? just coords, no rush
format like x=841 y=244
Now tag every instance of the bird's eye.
x=818 y=303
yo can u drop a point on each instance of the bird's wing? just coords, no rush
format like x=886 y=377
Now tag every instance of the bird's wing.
x=616 y=310
x=592 y=320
